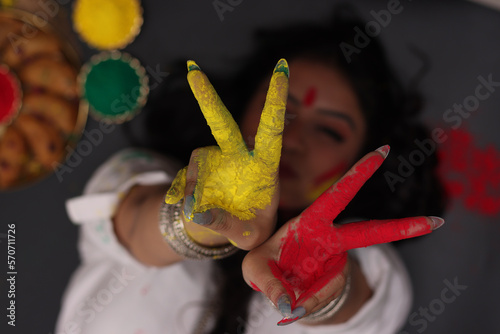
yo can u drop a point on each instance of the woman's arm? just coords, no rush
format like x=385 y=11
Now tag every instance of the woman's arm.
x=136 y=227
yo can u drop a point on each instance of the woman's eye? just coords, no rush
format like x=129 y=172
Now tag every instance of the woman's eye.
x=331 y=133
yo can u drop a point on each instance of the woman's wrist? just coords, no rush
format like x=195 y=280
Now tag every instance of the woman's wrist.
x=360 y=293
x=329 y=311
x=172 y=228
x=357 y=295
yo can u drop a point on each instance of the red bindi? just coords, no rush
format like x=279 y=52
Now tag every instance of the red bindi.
x=310 y=97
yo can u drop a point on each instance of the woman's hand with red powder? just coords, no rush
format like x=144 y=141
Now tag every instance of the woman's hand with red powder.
x=303 y=266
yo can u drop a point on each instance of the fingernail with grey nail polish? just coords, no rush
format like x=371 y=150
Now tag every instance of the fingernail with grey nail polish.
x=437 y=222
x=284 y=305
x=298 y=313
x=188 y=207
x=384 y=150
x=203 y=218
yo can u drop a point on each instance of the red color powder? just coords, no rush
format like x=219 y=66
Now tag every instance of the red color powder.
x=255 y=287
x=333 y=173
x=321 y=183
x=307 y=259
x=314 y=251
x=336 y=198
x=9 y=95
x=471 y=174
x=372 y=232
x=310 y=97
x=285 y=321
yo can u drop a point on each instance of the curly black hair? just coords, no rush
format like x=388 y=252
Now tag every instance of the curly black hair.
x=391 y=111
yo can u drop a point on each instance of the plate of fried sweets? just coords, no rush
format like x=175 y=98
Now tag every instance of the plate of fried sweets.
x=41 y=114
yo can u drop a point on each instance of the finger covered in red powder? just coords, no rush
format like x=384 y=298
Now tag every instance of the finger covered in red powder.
x=313 y=250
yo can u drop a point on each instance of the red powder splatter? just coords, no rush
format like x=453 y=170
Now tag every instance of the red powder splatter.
x=321 y=183
x=333 y=173
x=314 y=251
x=145 y=290
x=324 y=181
x=336 y=198
x=310 y=97
x=471 y=174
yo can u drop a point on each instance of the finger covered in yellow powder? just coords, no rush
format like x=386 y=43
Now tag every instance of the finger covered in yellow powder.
x=224 y=129
x=229 y=176
x=176 y=191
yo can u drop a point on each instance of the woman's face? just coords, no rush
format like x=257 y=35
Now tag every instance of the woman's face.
x=324 y=131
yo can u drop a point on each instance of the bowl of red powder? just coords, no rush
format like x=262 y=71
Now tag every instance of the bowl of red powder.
x=10 y=95
x=115 y=86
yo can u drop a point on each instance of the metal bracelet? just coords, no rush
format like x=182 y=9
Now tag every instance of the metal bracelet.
x=173 y=231
x=331 y=308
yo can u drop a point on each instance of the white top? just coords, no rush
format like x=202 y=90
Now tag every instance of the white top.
x=111 y=292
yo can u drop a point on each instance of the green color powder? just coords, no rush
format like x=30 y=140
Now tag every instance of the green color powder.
x=112 y=88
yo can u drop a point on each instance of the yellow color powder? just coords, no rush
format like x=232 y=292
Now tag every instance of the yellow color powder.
x=202 y=234
x=107 y=24
x=229 y=176
x=232 y=242
x=7 y=3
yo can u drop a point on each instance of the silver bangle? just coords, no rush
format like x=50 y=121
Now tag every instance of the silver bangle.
x=172 y=229
x=331 y=308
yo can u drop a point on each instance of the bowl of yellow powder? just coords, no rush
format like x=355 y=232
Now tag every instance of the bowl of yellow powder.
x=115 y=86
x=107 y=24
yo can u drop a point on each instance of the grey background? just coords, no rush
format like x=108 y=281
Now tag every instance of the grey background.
x=462 y=41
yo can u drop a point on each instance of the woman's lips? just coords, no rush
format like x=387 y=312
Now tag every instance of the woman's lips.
x=286 y=172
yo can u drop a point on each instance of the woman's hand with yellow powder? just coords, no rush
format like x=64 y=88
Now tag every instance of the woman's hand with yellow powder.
x=228 y=188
